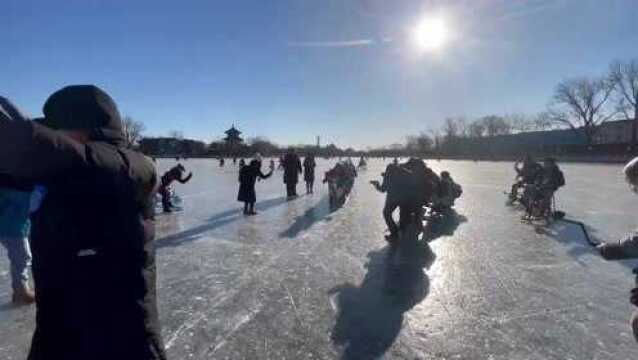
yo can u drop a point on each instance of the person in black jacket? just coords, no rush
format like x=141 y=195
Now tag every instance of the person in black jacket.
x=174 y=174
x=92 y=237
x=309 y=173
x=292 y=169
x=247 y=178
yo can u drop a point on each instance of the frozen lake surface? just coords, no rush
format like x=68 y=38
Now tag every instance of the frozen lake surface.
x=299 y=282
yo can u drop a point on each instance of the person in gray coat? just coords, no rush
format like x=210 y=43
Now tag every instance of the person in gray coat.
x=626 y=248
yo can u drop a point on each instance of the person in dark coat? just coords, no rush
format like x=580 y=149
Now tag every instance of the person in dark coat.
x=176 y=173
x=396 y=184
x=92 y=236
x=309 y=173
x=292 y=169
x=248 y=176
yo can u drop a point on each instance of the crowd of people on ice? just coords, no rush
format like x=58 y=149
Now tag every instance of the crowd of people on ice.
x=94 y=261
x=340 y=179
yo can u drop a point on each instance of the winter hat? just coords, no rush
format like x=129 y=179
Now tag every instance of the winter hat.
x=84 y=107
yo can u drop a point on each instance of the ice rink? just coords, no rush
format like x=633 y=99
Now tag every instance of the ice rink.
x=300 y=282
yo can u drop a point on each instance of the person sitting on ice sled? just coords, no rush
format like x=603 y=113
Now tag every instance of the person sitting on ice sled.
x=525 y=174
x=340 y=180
x=248 y=176
x=447 y=192
x=541 y=193
x=174 y=174
x=626 y=248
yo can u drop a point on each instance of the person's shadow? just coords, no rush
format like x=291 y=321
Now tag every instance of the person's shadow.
x=212 y=223
x=311 y=216
x=370 y=316
x=443 y=225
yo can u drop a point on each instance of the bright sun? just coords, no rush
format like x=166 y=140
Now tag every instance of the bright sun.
x=430 y=34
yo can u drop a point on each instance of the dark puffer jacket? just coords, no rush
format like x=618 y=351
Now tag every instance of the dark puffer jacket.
x=92 y=241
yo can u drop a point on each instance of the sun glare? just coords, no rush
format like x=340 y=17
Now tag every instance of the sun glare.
x=430 y=34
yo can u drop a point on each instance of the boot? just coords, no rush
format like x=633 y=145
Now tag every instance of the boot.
x=23 y=295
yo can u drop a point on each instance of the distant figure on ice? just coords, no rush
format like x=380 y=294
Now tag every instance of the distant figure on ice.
x=248 y=176
x=309 y=173
x=221 y=162
x=174 y=174
x=448 y=191
x=92 y=237
x=292 y=169
x=626 y=248
x=362 y=163
x=395 y=161
x=234 y=160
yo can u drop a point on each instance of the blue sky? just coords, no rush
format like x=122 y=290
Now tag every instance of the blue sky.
x=291 y=70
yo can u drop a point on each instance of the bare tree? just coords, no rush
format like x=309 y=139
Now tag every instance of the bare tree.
x=519 y=122
x=450 y=129
x=476 y=129
x=496 y=125
x=462 y=127
x=541 y=122
x=421 y=143
x=582 y=103
x=133 y=130
x=625 y=79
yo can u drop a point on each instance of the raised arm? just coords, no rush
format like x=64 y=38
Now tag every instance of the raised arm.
x=261 y=175
x=35 y=153
x=186 y=179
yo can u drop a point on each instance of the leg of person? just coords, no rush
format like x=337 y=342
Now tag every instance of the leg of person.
x=245 y=208
x=514 y=191
x=407 y=214
x=289 y=191
x=166 y=199
x=634 y=324
x=251 y=209
x=548 y=195
x=20 y=260
x=388 y=210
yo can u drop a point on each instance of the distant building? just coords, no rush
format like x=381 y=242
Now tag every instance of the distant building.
x=614 y=132
x=233 y=137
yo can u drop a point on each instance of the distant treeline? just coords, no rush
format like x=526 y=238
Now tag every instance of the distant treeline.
x=175 y=146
